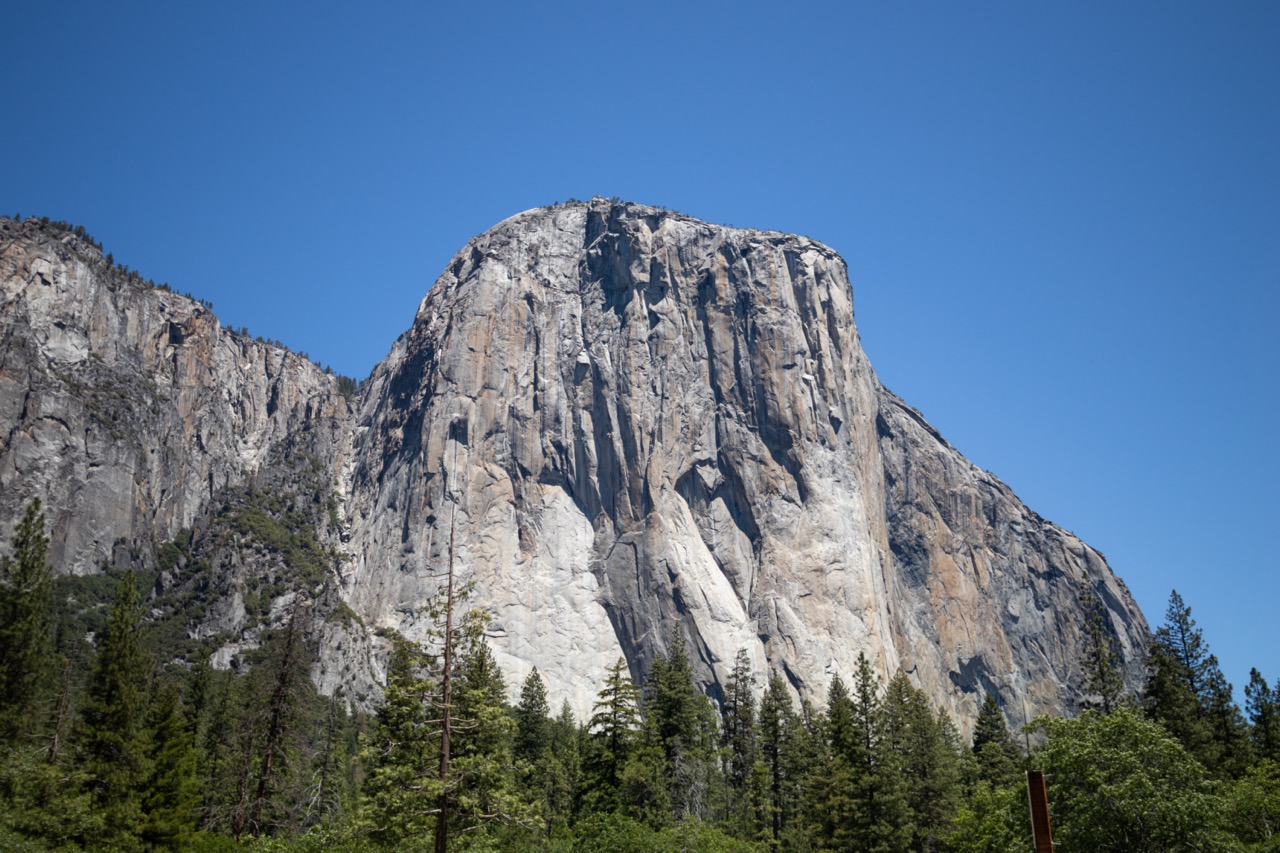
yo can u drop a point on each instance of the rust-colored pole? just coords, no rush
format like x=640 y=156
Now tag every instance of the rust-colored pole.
x=1039 y=797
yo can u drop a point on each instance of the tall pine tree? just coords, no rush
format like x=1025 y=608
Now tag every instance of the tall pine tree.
x=25 y=652
x=110 y=742
x=1187 y=693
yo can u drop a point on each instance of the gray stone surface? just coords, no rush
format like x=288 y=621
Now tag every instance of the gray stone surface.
x=645 y=419
x=618 y=418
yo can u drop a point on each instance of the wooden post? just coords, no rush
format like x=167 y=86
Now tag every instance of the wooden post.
x=1039 y=798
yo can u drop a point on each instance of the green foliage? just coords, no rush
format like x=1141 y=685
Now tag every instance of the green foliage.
x=739 y=739
x=927 y=756
x=679 y=731
x=25 y=647
x=992 y=819
x=782 y=742
x=1252 y=807
x=1122 y=783
x=169 y=793
x=109 y=738
x=1103 y=677
x=1262 y=704
x=996 y=756
x=1187 y=693
x=614 y=721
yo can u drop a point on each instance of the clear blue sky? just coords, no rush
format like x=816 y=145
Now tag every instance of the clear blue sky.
x=1062 y=220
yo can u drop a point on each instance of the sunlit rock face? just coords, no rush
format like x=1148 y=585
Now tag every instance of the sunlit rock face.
x=618 y=419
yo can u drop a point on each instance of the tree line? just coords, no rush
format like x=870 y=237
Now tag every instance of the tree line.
x=115 y=744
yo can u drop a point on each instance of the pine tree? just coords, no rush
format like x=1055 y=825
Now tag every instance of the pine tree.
x=482 y=789
x=679 y=722
x=739 y=738
x=272 y=807
x=25 y=650
x=1188 y=695
x=111 y=718
x=880 y=818
x=926 y=757
x=994 y=751
x=1103 y=677
x=615 y=718
x=1262 y=704
x=169 y=795
x=402 y=752
x=780 y=741
x=533 y=721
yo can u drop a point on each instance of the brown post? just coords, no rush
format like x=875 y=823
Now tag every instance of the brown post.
x=1039 y=797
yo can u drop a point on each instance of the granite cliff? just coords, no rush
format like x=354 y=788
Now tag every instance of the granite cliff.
x=618 y=418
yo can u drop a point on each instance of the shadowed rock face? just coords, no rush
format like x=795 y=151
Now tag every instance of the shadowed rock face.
x=618 y=419
x=631 y=419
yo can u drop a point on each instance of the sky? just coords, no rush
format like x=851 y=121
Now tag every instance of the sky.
x=1061 y=220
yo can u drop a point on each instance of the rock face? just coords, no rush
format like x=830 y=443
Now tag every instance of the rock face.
x=620 y=419
x=126 y=407
x=616 y=419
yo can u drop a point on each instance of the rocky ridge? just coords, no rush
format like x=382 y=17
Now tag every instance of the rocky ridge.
x=617 y=418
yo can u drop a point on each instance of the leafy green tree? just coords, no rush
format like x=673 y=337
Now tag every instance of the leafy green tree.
x=110 y=739
x=992 y=819
x=1122 y=783
x=25 y=603
x=1252 y=807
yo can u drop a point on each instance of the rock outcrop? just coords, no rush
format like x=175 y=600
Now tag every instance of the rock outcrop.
x=616 y=419
x=620 y=419
x=127 y=407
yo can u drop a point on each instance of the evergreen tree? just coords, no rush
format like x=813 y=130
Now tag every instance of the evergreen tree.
x=780 y=736
x=560 y=771
x=739 y=739
x=109 y=739
x=680 y=723
x=533 y=721
x=273 y=807
x=402 y=752
x=996 y=755
x=1187 y=693
x=170 y=795
x=918 y=739
x=880 y=817
x=25 y=650
x=1103 y=677
x=1262 y=704
x=482 y=785
x=615 y=719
